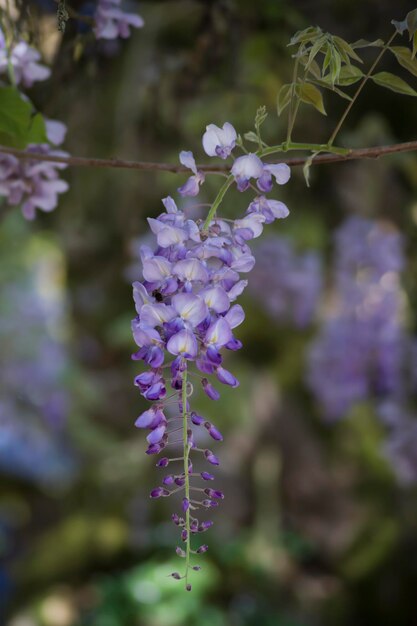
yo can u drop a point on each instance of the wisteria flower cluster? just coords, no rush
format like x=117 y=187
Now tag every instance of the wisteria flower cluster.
x=29 y=183
x=295 y=284
x=186 y=318
x=360 y=350
x=111 y=22
x=22 y=61
x=34 y=184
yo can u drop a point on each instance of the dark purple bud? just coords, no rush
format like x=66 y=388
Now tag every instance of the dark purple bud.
x=210 y=503
x=188 y=587
x=209 y=390
x=168 y=480
x=194 y=525
x=154 y=448
x=180 y=481
x=211 y=458
x=158 y=492
x=180 y=552
x=176 y=575
x=226 y=377
x=202 y=549
x=213 y=431
x=185 y=504
x=196 y=568
x=205 y=526
x=214 y=493
x=206 y=476
x=184 y=535
x=197 y=420
x=163 y=462
x=175 y=519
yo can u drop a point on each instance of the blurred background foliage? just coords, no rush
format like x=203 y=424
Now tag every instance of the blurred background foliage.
x=316 y=527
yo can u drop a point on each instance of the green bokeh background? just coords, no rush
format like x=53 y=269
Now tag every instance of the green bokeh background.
x=314 y=530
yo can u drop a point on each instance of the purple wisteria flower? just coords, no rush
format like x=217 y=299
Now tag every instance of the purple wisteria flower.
x=219 y=141
x=186 y=320
x=112 y=22
x=34 y=184
x=288 y=284
x=250 y=166
x=360 y=350
x=23 y=61
x=192 y=185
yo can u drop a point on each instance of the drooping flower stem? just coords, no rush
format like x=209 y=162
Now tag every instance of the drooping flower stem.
x=186 y=450
x=217 y=201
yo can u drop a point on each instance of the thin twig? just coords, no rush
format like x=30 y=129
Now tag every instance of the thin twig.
x=74 y=161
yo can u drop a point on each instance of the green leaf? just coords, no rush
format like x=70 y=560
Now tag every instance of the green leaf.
x=309 y=94
x=347 y=48
x=394 y=83
x=364 y=43
x=251 y=136
x=405 y=58
x=37 y=130
x=284 y=97
x=349 y=75
x=414 y=45
x=335 y=67
x=260 y=117
x=411 y=20
x=303 y=36
x=327 y=58
x=328 y=85
x=314 y=50
x=18 y=127
x=15 y=116
x=307 y=166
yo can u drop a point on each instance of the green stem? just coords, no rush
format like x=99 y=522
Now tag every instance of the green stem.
x=217 y=201
x=359 y=89
x=310 y=147
x=186 y=453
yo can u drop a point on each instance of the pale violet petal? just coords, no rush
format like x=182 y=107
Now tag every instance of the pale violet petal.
x=187 y=159
x=235 y=316
x=280 y=171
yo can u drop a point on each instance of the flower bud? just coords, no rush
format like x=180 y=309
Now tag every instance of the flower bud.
x=211 y=458
x=214 y=493
x=202 y=549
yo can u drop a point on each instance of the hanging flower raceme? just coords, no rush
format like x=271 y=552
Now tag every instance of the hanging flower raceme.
x=186 y=320
x=34 y=184
x=360 y=351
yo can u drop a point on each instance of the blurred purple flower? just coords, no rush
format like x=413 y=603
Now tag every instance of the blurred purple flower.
x=112 y=22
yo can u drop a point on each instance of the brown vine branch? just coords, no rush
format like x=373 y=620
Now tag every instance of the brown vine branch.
x=74 y=161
